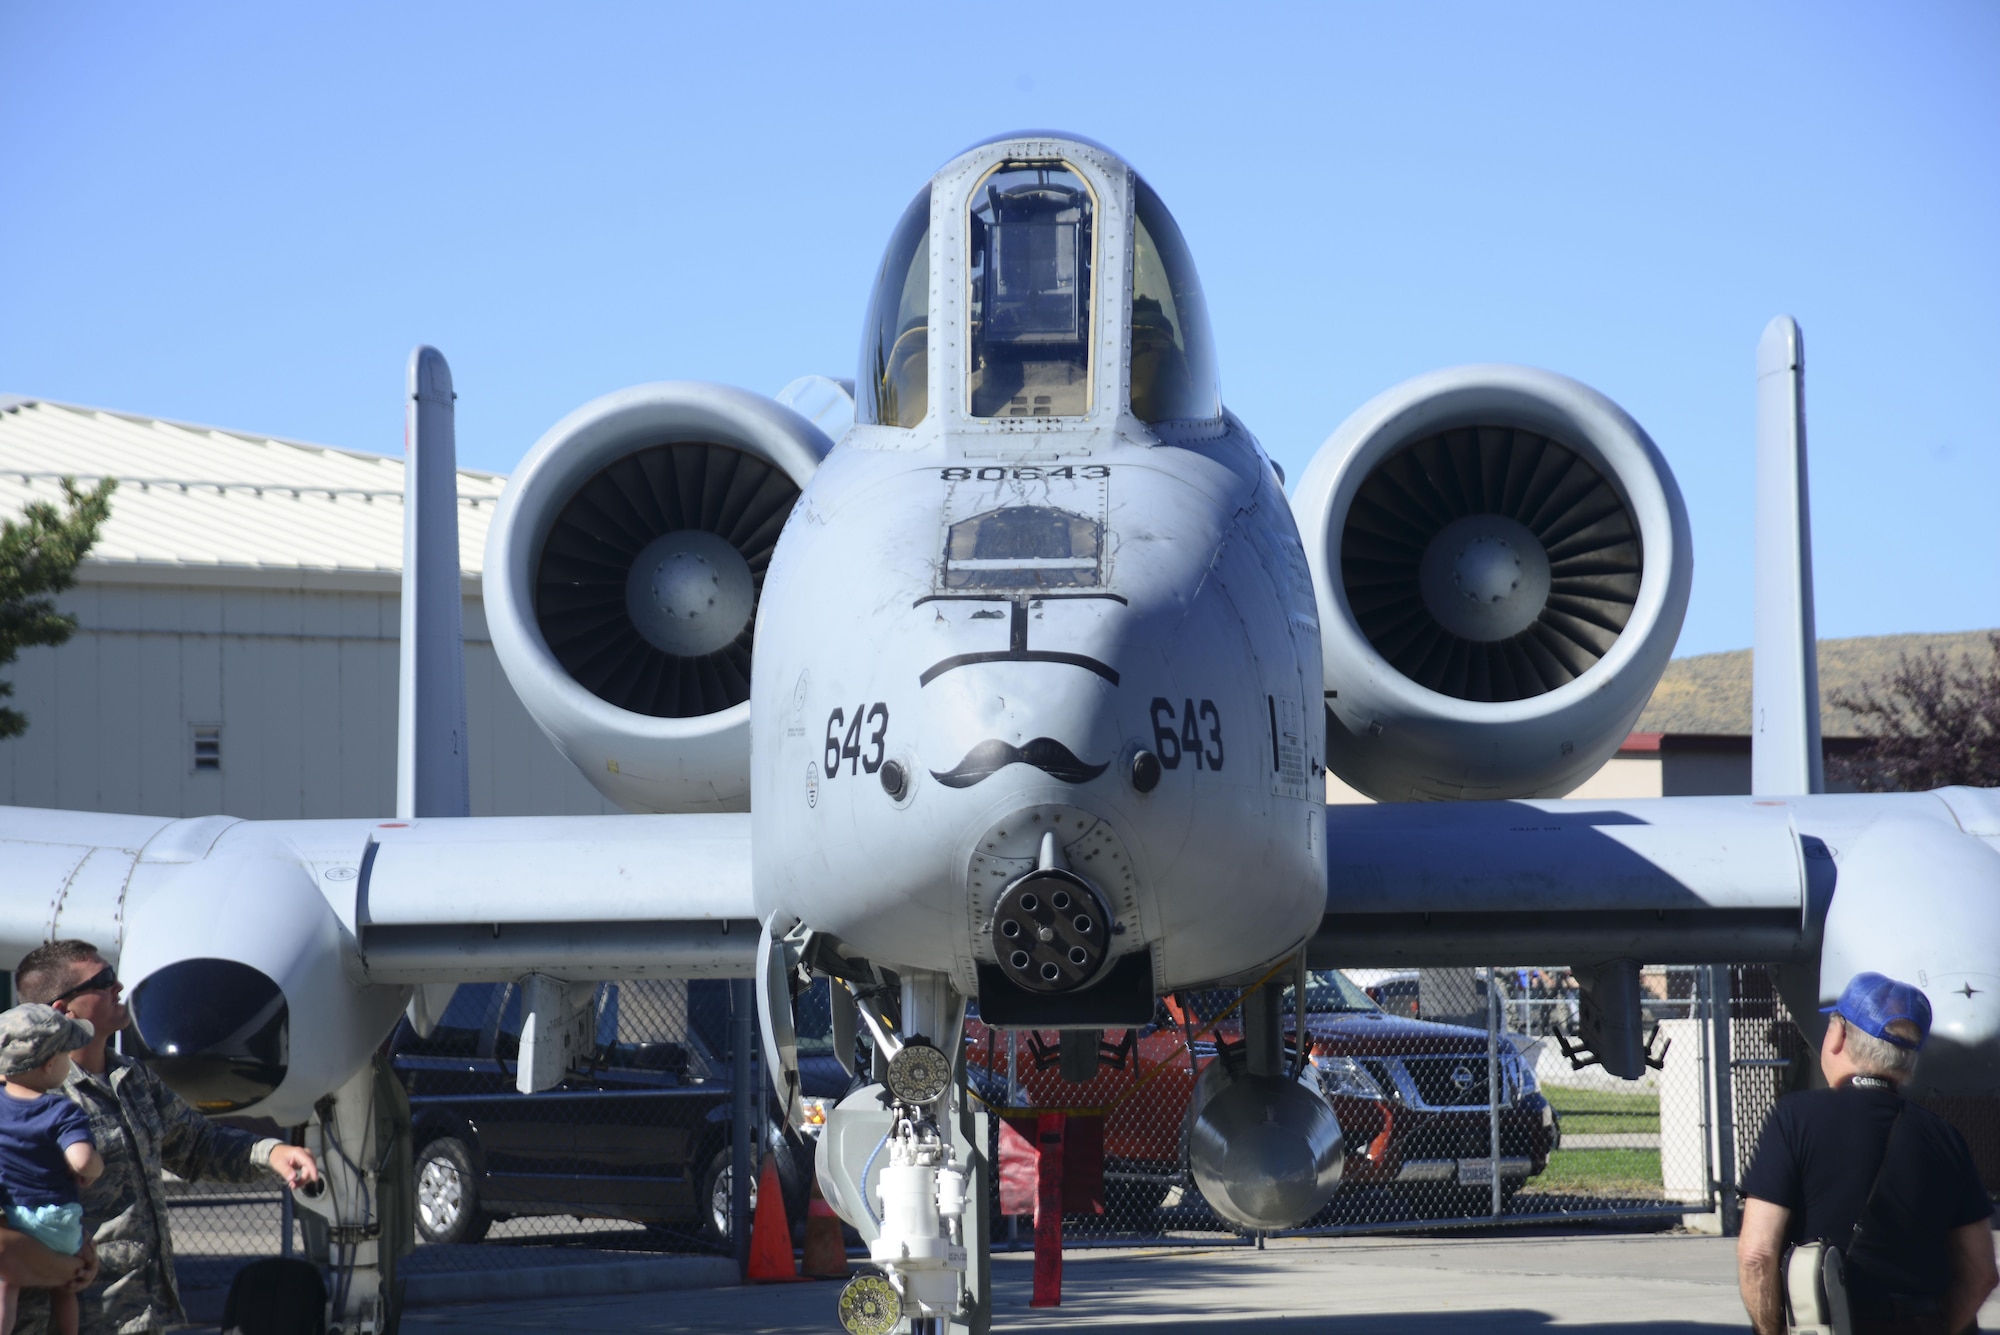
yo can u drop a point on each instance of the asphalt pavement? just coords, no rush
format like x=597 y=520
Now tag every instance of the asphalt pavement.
x=1661 y=1284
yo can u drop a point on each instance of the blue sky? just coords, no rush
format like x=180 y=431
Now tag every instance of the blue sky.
x=247 y=215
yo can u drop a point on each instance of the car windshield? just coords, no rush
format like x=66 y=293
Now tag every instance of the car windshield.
x=1330 y=992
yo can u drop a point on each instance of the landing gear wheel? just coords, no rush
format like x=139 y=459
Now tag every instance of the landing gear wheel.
x=448 y=1194
x=716 y=1186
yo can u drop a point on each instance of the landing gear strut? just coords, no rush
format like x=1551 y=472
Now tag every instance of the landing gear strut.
x=364 y=1219
x=904 y=1162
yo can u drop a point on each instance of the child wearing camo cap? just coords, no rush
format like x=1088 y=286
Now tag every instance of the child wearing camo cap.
x=46 y=1150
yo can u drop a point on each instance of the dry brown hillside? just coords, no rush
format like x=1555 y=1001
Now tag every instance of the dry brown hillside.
x=1710 y=693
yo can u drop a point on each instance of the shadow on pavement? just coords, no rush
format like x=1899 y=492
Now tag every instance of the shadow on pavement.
x=1500 y=1321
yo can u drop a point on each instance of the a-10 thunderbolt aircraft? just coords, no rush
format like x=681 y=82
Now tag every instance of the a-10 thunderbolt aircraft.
x=1023 y=691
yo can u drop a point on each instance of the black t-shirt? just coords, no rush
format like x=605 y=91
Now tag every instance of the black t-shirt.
x=1818 y=1158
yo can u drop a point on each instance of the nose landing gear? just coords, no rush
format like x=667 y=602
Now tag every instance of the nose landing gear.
x=903 y=1162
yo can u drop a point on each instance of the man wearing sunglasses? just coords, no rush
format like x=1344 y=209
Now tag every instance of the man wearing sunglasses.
x=142 y=1128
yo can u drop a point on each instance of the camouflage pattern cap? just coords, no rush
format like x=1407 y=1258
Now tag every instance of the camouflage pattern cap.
x=31 y=1034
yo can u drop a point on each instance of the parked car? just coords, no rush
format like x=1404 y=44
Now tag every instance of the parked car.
x=1411 y=1097
x=643 y=1133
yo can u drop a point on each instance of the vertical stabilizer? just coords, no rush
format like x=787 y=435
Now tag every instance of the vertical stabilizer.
x=432 y=778
x=431 y=774
x=1785 y=757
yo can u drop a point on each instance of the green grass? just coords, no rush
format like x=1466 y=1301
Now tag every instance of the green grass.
x=1600 y=1110
x=1599 y=1173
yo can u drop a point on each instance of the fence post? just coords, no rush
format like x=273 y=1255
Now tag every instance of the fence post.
x=1703 y=1016
x=1493 y=1014
x=742 y=1035
x=1719 y=987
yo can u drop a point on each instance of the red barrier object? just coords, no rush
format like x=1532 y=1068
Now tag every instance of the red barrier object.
x=1048 y=1210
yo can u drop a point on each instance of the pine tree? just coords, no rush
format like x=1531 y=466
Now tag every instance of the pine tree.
x=1930 y=723
x=38 y=557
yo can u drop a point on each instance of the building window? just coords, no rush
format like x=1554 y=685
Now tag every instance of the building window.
x=207 y=747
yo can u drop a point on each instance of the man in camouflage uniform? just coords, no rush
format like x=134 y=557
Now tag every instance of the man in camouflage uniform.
x=142 y=1128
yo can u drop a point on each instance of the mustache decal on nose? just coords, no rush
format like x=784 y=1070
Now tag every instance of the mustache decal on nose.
x=1044 y=753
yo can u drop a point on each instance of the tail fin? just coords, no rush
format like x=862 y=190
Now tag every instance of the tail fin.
x=1785 y=757
x=431 y=774
x=432 y=777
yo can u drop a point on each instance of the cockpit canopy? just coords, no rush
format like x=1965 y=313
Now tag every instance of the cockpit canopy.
x=1033 y=240
x=1031 y=243
x=1173 y=353
x=893 y=386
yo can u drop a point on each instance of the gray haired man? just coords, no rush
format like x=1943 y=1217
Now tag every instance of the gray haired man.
x=1922 y=1261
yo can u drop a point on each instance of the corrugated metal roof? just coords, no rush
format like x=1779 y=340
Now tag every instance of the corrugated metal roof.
x=201 y=504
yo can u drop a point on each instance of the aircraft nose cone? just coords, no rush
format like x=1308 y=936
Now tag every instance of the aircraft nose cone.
x=217 y=1031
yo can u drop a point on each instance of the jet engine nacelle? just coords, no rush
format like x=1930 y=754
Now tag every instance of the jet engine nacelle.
x=1502 y=561
x=1916 y=899
x=236 y=975
x=622 y=577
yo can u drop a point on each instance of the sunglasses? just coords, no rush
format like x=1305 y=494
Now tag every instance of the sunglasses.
x=102 y=981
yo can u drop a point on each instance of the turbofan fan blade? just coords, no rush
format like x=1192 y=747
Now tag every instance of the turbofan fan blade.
x=586 y=561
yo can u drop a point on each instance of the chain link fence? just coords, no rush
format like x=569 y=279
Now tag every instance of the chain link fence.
x=1408 y=1061
x=1771 y=1055
x=1457 y=1104
x=630 y=1154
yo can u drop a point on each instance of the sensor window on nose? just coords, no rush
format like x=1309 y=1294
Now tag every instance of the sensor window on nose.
x=1024 y=547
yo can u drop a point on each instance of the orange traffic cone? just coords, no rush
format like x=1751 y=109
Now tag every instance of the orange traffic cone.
x=771 y=1260
x=826 y=1253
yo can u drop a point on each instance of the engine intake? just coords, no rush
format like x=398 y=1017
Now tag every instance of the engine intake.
x=647 y=586
x=623 y=573
x=1503 y=561
x=1490 y=563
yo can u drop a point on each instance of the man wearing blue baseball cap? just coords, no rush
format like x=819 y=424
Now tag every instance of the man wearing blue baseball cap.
x=1890 y=1184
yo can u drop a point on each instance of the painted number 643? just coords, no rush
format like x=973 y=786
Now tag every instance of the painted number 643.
x=844 y=739
x=1195 y=734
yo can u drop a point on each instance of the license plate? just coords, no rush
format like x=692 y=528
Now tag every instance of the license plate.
x=1475 y=1172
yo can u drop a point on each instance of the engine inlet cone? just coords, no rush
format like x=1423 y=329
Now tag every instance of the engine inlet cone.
x=1050 y=931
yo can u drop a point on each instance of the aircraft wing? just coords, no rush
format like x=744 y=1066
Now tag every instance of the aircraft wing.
x=577 y=897
x=1685 y=880
x=416 y=901
x=65 y=874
